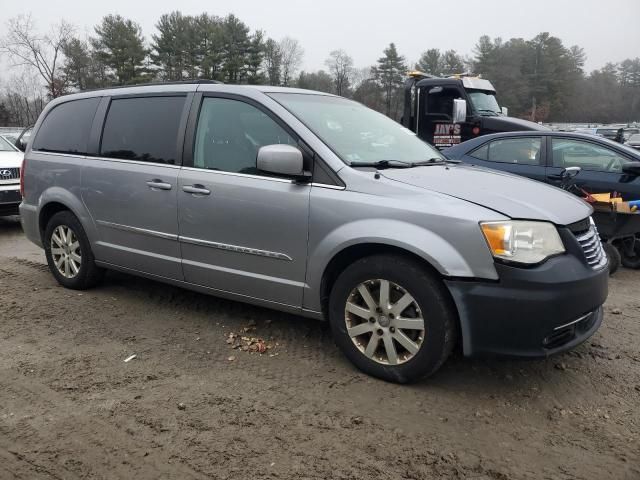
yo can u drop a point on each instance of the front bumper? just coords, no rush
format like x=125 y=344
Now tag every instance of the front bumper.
x=9 y=201
x=531 y=312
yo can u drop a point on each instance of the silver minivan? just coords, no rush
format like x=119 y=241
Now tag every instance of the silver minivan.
x=313 y=204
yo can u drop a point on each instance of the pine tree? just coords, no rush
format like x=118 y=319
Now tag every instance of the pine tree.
x=119 y=45
x=389 y=73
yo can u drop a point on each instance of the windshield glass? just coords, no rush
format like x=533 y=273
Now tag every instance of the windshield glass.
x=484 y=102
x=5 y=146
x=354 y=132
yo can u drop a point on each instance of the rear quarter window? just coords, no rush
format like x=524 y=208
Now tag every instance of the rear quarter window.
x=66 y=127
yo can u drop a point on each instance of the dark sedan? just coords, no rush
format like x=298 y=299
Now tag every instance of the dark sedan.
x=606 y=166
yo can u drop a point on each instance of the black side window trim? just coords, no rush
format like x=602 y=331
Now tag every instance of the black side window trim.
x=192 y=125
x=97 y=130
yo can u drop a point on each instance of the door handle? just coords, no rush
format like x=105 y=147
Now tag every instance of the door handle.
x=157 y=184
x=196 y=189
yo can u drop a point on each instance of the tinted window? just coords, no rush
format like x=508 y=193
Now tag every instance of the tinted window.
x=586 y=155
x=231 y=132
x=525 y=151
x=144 y=129
x=66 y=128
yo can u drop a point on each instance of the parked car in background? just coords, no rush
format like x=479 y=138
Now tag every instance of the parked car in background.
x=605 y=166
x=10 y=160
x=607 y=132
x=634 y=141
x=312 y=204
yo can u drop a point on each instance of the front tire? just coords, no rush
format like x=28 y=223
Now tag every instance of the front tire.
x=613 y=255
x=630 y=253
x=392 y=318
x=69 y=254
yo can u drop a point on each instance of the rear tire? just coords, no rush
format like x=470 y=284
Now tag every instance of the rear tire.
x=69 y=254
x=375 y=310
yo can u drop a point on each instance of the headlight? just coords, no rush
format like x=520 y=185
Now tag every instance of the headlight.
x=522 y=241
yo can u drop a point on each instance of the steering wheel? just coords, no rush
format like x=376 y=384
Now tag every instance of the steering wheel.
x=614 y=165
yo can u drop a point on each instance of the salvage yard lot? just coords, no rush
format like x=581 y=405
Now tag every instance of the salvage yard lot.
x=191 y=406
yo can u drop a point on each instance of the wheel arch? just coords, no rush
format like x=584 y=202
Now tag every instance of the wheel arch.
x=57 y=199
x=353 y=253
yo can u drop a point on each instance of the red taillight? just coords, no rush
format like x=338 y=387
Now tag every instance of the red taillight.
x=22 y=170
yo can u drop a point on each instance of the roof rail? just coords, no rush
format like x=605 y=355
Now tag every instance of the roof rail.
x=152 y=84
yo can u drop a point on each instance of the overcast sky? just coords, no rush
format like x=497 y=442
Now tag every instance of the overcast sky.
x=608 y=30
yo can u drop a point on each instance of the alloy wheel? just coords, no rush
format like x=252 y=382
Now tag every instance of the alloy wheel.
x=65 y=251
x=384 y=322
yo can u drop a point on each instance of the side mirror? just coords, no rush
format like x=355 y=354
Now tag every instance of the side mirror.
x=632 y=168
x=21 y=144
x=459 y=114
x=505 y=111
x=282 y=159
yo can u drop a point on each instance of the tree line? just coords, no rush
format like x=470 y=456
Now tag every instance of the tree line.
x=538 y=79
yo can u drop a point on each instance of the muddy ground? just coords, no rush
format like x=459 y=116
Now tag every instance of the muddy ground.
x=190 y=406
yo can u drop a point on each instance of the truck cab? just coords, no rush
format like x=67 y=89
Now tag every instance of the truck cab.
x=448 y=111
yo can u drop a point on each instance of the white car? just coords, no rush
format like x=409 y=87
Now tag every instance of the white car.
x=10 y=162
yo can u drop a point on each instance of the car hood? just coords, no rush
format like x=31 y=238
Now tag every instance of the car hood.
x=10 y=159
x=511 y=195
x=509 y=124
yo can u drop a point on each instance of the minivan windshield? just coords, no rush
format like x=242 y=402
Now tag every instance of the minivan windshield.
x=357 y=134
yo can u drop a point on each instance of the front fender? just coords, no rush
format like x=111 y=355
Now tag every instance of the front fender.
x=434 y=249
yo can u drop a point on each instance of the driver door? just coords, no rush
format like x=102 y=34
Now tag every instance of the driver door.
x=600 y=167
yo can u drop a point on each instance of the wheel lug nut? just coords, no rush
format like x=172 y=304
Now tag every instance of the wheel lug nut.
x=372 y=320
x=380 y=332
x=392 y=316
x=392 y=329
x=379 y=310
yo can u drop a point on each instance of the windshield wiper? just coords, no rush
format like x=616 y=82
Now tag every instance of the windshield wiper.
x=489 y=111
x=381 y=164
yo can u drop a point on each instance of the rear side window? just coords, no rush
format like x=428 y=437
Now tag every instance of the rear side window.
x=522 y=151
x=66 y=127
x=143 y=129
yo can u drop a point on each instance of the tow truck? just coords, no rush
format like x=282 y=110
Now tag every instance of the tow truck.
x=447 y=111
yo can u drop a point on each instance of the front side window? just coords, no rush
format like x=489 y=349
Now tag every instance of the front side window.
x=143 y=129
x=521 y=151
x=230 y=133
x=66 y=127
x=354 y=132
x=586 y=155
x=440 y=101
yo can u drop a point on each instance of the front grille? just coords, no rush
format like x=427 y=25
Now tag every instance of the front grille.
x=9 y=175
x=592 y=247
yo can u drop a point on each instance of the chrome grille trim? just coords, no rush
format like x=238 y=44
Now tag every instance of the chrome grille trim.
x=13 y=175
x=592 y=247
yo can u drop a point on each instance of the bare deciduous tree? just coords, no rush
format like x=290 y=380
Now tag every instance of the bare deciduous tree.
x=291 y=58
x=26 y=48
x=340 y=66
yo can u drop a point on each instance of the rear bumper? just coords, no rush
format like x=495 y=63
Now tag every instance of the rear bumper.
x=9 y=201
x=531 y=312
